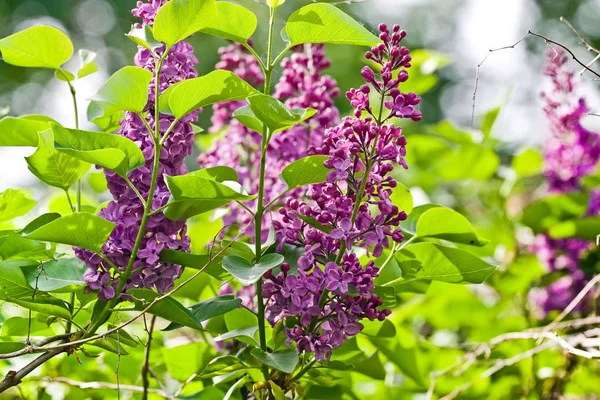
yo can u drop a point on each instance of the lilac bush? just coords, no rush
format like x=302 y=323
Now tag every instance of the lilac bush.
x=570 y=153
x=329 y=299
x=126 y=209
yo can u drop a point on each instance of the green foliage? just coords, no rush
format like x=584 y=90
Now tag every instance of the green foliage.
x=14 y=203
x=324 y=23
x=38 y=46
x=23 y=131
x=249 y=274
x=444 y=223
x=267 y=112
x=202 y=191
x=189 y=95
x=283 y=360
x=178 y=19
x=232 y=22
x=305 y=171
x=430 y=261
x=527 y=162
x=78 y=229
x=53 y=167
x=64 y=274
x=113 y=152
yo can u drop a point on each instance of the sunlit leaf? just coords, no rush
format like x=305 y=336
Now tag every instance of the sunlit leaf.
x=191 y=94
x=305 y=171
x=14 y=203
x=23 y=131
x=248 y=274
x=178 y=19
x=113 y=152
x=84 y=230
x=324 y=23
x=232 y=22
x=38 y=46
x=283 y=360
x=63 y=273
x=445 y=223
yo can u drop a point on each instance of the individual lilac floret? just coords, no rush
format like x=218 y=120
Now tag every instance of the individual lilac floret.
x=126 y=210
x=301 y=85
x=352 y=209
x=570 y=153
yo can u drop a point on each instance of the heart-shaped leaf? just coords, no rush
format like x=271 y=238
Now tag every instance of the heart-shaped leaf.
x=38 y=46
x=113 y=152
x=233 y=22
x=283 y=360
x=191 y=94
x=81 y=229
x=178 y=19
x=248 y=274
x=324 y=23
x=445 y=223
x=305 y=171
x=53 y=167
x=23 y=131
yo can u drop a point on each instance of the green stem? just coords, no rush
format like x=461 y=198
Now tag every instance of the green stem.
x=71 y=308
x=394 y=250
x=69 y=200
x=258 y=215
x=304 y=371
x=76 y=114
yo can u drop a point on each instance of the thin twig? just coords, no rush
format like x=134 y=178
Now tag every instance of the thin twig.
x=582 y=40
x=529 y=33
x=101 y=385
x=573 y=303
x=146 y=366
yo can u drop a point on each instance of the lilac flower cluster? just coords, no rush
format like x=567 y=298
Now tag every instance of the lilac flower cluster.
x=353 y=208
x=301 y=85
x=126 y=210
x=571 y=153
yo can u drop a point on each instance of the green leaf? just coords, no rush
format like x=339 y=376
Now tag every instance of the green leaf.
x=143 y=37
x=248 y=274
x=178 y=19
x=195 y=261
x=167 y=308
x=9 y=347
x=191 y=94
x=234 y=388
x=528 y=162
x=57 y=274
x=107 y=121
x=402 y=198
x=278 y=392
x=23 y=131
x=87 y=63
x=184 y=361
x=64 y=75
x=468 y=162
x=385 y=329
x=110 y=344
x=210 y=308
x=587 y=228
x=19 y=326
x=44 y=304
x=38 y=46
x=275 y=3
x=273 y=114
x=201 y=191
x=125 y=90
x=113 y=152
x=445 y=223
x=84 y=230
x=248 y=332
x=13 y=246
x=12 y=281
x=324 y=23
x=222 y=365
x=246 y=116
x=410 y=224
x=432 y=261
x=542 y=214
x=305 y=171
x=233 y=22
x=404 y=357
x=53 y=167
x=283 y=360
x=488 y=121
x=14 y=203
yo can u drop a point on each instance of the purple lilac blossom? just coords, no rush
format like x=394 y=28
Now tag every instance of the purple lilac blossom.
x=570 y=153
x=126 y=209
x=301 y=85
x=326 y=300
